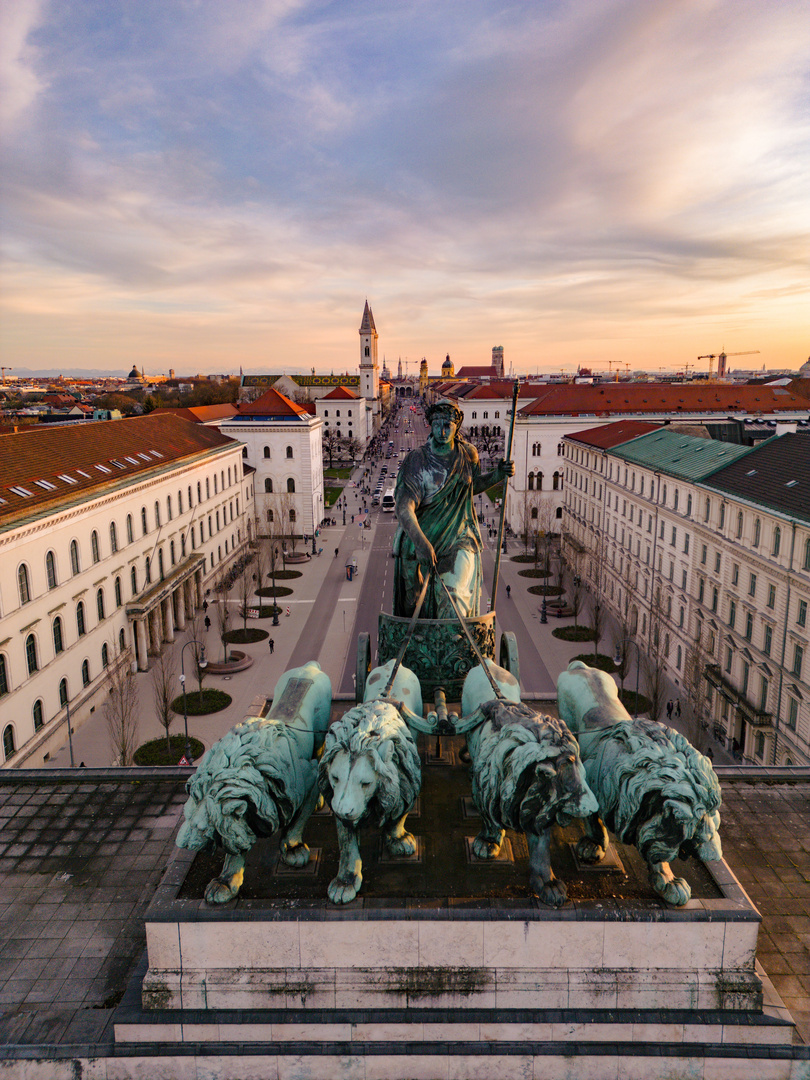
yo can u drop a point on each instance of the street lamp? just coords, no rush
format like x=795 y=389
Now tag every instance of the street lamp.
x=618 y=660
x=202 y=663
x=273 y=574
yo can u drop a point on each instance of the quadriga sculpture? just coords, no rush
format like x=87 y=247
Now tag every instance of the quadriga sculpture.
x=526 y=775
x=370 y=773
x=654 y=789
x=259 y=778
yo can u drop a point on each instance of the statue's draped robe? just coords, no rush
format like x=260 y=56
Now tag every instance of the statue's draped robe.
x=442 y=487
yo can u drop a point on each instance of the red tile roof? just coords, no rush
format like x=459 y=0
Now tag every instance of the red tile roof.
x=203 y=414
x=341 y=393
x=105 y=454
x=609 y=435
x=273 y=404
x=471 y=371
x=617 y=398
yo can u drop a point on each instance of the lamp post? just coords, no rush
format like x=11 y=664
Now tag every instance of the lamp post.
x=618 y=660
x=201 y=662
x=273 y=574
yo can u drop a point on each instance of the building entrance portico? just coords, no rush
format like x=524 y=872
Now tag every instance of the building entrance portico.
x=164 y=608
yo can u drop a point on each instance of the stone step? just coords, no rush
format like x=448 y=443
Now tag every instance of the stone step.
x=769 y=1028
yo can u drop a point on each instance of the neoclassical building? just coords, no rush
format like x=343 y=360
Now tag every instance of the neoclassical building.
x=110 y=534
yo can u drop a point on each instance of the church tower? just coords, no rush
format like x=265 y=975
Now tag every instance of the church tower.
x=423 y=377
x=497 y=360
x=369 y=372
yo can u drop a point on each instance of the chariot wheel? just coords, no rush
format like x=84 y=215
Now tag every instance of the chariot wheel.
x=363 y=665
x=508 y=657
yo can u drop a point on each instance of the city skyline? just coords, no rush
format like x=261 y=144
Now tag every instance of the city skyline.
x=207 y=187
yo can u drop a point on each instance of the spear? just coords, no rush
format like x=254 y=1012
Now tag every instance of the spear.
x=515 y=392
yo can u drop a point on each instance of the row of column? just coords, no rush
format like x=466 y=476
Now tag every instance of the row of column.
x=169 y=614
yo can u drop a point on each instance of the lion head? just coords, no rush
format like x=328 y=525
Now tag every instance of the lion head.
x=370 y=766
x=527 y=771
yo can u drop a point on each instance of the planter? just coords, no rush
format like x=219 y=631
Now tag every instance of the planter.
x=237 y=661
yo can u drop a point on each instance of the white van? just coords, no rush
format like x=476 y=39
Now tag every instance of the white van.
x=388 y=501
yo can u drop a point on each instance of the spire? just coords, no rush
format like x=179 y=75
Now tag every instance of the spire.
x=367 y=325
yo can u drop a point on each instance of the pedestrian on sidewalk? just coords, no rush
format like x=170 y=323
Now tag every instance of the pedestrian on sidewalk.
x=678 y=707
x=272 y=645
x=508 y=592
x=669 y=710
x=336 y=552
x=207 y=622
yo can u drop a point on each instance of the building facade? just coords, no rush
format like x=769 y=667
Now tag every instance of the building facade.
x=110 y=535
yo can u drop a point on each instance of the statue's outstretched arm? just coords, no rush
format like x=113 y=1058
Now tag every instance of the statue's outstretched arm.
x=406 y=516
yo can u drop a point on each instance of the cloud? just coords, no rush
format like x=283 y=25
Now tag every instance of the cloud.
x=19 y=82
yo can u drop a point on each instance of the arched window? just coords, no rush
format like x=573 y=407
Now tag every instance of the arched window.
x=268 y=485
x=531 y=481
x=80 y=627
x=722 y=515
x=31 y=658
x=168 y=508
x=222 y=478
x=94 y=546
x=534 y=513
x=8 y=736
x=133 y=581
x=50 y=570
x=556 y=481
x=688 y=500
x=806 y=555
x=559 y=512
x=144 y=525
x=190 y=500
x=75 y=565
x=157 y=514
x=182 y=545
x=85 y=673
x=777 y=540
x=244 y=451
x=160 y=563
x=23 y=584
x=105 y=655
x=58 y=640
x=291 y=486
x=270 y=515
x=207 y=488
x=130 y=534
x=171 y=552
x=757 y=531
x=3 y=676
x=199 y=492
x=122 y=640
x=113 y=538
x=292 y=516
x=267 y=451
x=117 y=588
x=63 y=693
x=229 y=476
x=739 y=525
x=179 y=502
x=290 y=449
x=100 y=604
x=216 y=487
x=148 y=571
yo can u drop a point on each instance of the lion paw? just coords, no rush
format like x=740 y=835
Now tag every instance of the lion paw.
x=343 y=891
x=551 y=893
x=294 y=854
x=589 y=851
x=218 y=891
x=484 y=847
x=401 y=845
x=674 y=890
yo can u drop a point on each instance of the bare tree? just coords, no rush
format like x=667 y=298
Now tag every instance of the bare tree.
x=354 y=448
x=195 y=625
x=653 y=660
x=223 y=616
x=597 y=575
x=121 y=707
x=164 y=679
x=543 y=528
x=525 y=523
x=694 y=685
x=626 y=617
x=332 y=442
x=574 y=560
x=285 y=516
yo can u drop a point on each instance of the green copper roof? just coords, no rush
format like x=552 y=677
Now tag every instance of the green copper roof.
x=683 y=456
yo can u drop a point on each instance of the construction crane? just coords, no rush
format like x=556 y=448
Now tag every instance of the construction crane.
x=610 y=363
x=721 y=360
x=4 y=370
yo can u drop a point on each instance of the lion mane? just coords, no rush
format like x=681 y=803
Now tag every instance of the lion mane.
x=252 y=782
x=642 y=769
x=506 y=781
x=364 y=730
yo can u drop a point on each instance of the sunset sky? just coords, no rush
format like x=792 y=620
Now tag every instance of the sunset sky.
x=202 y=184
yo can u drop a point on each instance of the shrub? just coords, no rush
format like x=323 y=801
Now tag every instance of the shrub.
x=573 y=633
x=155 y=752
x=287 y=575
x=546 y=590
x=628 y=699
x=267 y=590
x=244 y=637
x=200 y=704
x=534 y=573
x=522 y=558
x=597 y=660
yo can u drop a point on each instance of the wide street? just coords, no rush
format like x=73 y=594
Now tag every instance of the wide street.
x=327 y=612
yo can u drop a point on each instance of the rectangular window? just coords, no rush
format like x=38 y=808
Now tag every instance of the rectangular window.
x=674 y=536
x=701 y=589
x=683 y=580
x=792 y=713
x=771 y=596
x=801 y=615
x=686 y=544
x=717 y=562
x=749 y=626
x=767 y=640
x=798 y=658
x=763 y=693
x=732 y=613
x=728 y=659
x=703 y=554
x=714 y=599
x=745 y=673
x=735 y=573
x=661 y=533
x=752 y=585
